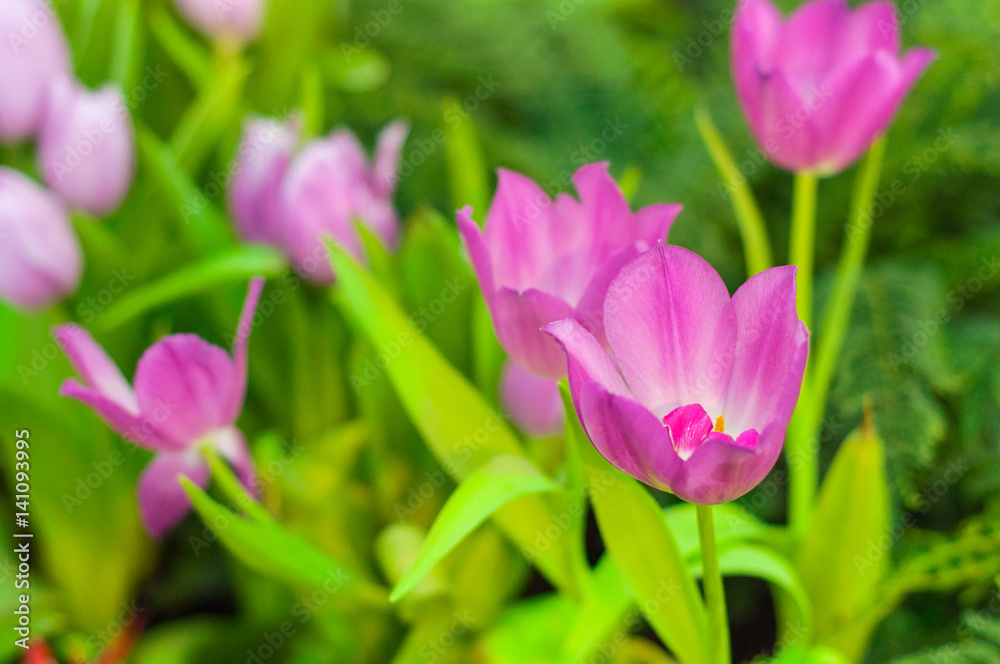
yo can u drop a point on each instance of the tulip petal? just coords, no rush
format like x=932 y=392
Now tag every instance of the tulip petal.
x=518 y=227
x=534 y=403
x=872 y=26
x=191 y=381
x=718 y=471
x=518 y=317
x=808 y=39
x=162 y=500
x=864 y=100
x=94 y=366
x=586 y=359
x=142 y=429
x=385 y=163
x=688 y=426
x=769 y=350
x=756 y=29
x=625 y=433
x=243 y=329
x=787 y=134
x=479 y=254
x=590 y=308
x=669 y=319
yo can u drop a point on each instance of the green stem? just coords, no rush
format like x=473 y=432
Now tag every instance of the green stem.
x=802 y=242
x=801 y=451
x=749 y=220
x=715 y=596
x=803 y=432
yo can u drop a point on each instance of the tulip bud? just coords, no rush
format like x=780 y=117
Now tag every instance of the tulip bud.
x=265 y=150
x=818 y=87
x=224 y=20
x=40 y=257
x=33 y=55
x=87 y=146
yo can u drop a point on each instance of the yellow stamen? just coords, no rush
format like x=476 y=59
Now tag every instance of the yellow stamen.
x=720 y=424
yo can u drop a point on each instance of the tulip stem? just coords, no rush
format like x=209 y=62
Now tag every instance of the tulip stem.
x=715 y=596
x=802 y=242
x=749 y=220
x=805 y=426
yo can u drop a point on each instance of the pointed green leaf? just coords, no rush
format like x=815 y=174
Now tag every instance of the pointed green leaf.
x=488 y=488
x=635 y=532
x=266 y=547
x=467 y=172
x=187 y=53
x=842 y=557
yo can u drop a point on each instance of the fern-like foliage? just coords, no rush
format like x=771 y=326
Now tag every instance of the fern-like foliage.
x=977 y=642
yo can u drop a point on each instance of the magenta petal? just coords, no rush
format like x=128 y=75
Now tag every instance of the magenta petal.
x=787 y=133
x=140 y=429
x=669 y=319
x=243 y=329
x=518 y=318
x=162 y=500
x=534 y=403
x=94 y=365
x=590 y=308
x=517 y=230
x=191 y=382
x=688 y=426
x=718 y=471
x=872 y=26
x=771 y=349
x=587 y=360
x=809 y=38
x=479 y=254
x=756 y=29
x=385 y=163
x=603 y=206
x=626 y=433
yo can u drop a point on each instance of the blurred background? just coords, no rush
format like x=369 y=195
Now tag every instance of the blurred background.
x=536 y=86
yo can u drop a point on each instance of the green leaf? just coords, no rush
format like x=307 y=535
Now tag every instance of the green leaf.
x=845 y=552
x=236 y=265
x=743 y=559
x=457 y=424
x=732 y=523
x=127 y=53
x=264 y=546
x=187 y=53
x=606 y=604
x=201 y=220
x=635 y=532
x=488 y=488
x=211 y=113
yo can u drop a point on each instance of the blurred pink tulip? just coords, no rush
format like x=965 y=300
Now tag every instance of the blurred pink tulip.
x=33 y=55
x=187 y=393
x=329 y=187
x=819 y=87
x=234 y=20
x=266 y=148
x=40 y=257
x=87 y=146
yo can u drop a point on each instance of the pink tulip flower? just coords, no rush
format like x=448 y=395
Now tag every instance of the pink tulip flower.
x=819 y=87
x=187 y=393
x=33 y=55
x=40 y=257
x=533 y=403
x=329 y=187
x=225 y=20
x=698 y=389
x=87 y=146
x=539 y=260
x=266 y=148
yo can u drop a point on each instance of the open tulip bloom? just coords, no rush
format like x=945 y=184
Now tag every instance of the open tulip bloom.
x=698 y=389
x=187 y=393
x=539 y=260
x=819 y=87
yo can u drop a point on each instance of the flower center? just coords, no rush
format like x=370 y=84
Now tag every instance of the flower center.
x=720 y=424
x=690 y=426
